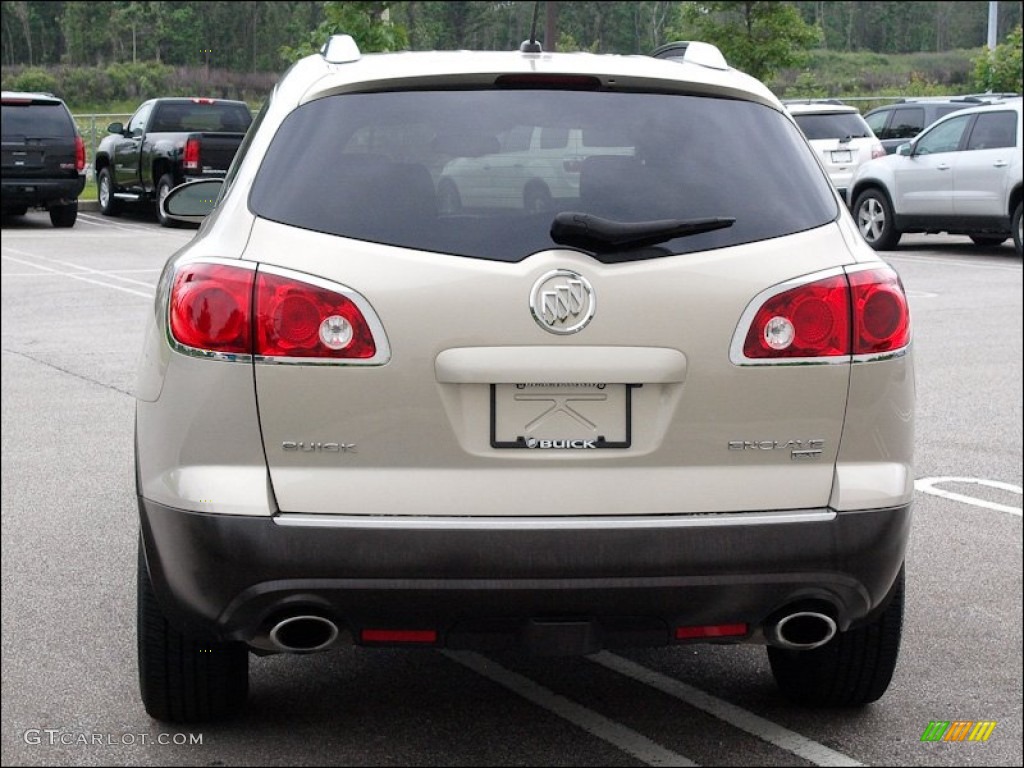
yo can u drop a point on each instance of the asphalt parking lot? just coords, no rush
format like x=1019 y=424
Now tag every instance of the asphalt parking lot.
x=73 y=307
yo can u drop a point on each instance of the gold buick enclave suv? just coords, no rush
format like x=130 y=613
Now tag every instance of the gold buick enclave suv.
x=675 y=406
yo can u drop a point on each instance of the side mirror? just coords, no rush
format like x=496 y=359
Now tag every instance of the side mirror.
x=193 y=201
x=904 y=149
x=116 y=128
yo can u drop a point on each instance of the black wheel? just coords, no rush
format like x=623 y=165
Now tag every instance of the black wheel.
x=875 y=220
x=163 y=188
x=988 y=240
x=536 y=198
x=448 y=198
x=1015 y=227
x=852 y=669
x=64 y=215
x=109 y=205
x=18 y=210
x=183 y=678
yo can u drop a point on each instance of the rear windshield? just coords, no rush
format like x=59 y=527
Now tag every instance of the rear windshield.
x=482 y=173
x=224 y=117
x=842 y=125
x=36 y=121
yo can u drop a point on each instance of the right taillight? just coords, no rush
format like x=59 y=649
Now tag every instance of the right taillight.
x=228 y=310
x=862 y=312
x=881 y=317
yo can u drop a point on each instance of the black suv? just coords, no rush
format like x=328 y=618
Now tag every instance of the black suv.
x=898 y=123
x=43 y=157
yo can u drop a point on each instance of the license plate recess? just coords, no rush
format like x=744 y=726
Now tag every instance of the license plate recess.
x=561 y=416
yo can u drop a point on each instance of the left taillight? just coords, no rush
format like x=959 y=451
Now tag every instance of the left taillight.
x=79 y=154
x=272 y=314
x=862 y=313
x=190 y=158
x=210 y=308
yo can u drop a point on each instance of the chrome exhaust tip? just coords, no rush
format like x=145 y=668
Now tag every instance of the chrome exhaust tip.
x=304 y=634
x=801 y=631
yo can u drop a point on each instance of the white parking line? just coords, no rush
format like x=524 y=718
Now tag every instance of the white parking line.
x=927 y=485
x=84 y=269
x=626 y=739
x=740 y=718
x=73 y=276
x=892 y=256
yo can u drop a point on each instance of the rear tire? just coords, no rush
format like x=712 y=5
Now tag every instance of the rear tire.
x=852 y=669
x=448 y=199
x=875 y=220
x=64 y=215
x=183 y=678
x=1015 y=227
x=163 y=188
x=536 y=198
x=109 y=205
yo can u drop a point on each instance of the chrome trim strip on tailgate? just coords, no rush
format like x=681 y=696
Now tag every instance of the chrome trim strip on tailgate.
x=557 y=523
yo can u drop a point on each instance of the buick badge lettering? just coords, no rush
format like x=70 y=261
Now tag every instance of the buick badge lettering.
x=562 y=302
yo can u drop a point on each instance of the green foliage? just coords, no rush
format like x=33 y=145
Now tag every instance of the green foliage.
x=35 y=80
x=140 y=81
x=836 y=75
x=1001 y=70
x=759 y=38
x=368 y=23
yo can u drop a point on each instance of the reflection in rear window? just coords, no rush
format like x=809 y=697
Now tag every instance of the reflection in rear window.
x=845 y=125
x=478 y=173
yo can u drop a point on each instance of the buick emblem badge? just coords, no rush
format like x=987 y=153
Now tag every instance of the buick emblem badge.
x=562 y=302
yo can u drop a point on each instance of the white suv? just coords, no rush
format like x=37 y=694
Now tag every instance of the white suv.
x=673 y=407
x=841 y=138
x=961 y=175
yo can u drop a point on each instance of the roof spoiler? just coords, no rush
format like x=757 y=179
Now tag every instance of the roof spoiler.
x=340 y=49
x=692 y=52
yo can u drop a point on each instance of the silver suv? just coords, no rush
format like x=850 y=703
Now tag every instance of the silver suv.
x=839 y=136
x=962 y=175
x=674 y=407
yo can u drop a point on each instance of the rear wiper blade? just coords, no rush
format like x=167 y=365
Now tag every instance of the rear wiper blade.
x=593 y=233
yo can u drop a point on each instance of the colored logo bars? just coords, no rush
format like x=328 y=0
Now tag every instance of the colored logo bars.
x=958 y=730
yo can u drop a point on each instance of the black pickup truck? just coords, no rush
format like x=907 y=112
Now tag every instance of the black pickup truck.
x=166 y=143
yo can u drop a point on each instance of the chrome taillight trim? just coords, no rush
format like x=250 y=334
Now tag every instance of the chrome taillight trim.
x=380 y=339
x=737 y=357
x=185 y=349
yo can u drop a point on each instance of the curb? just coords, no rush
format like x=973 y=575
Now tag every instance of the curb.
x=89 y=206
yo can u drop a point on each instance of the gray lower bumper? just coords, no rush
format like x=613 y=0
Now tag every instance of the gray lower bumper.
x=232 y=575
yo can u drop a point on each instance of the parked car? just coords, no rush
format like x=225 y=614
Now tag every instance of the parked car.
x=962 y=175
x=43 y=157
x=676 y=407
x=897 y=123
x=531 y=167
x=167 y=142
x=839 y=136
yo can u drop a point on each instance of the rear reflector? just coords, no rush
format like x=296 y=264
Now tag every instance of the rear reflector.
x=411 y=636
x=711 y=630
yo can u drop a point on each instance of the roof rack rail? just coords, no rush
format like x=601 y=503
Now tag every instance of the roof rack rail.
x=692 y=52
x=836 y=102
x=340 y=49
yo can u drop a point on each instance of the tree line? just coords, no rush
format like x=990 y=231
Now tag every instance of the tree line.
x=252 y=36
